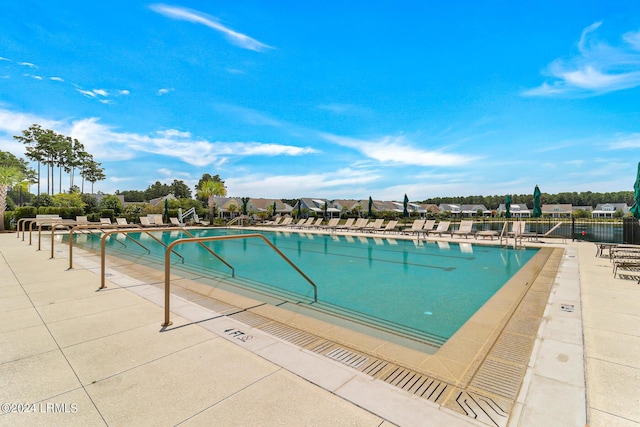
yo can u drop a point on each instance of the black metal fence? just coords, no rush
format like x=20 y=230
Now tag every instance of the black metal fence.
x=625 y=230
x=631 y=231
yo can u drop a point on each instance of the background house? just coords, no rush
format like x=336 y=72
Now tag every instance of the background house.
x=557 y=211
x=518 y=210
x=607 y=210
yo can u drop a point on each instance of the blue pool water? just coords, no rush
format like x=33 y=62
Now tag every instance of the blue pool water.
x=427 y=291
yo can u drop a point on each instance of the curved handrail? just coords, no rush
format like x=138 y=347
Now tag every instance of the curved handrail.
x=137 y=230
x=22 y=222
x=97 y=227
x=167 y=265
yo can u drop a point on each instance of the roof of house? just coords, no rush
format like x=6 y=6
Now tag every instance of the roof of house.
x=558 y=208
x=608 y=207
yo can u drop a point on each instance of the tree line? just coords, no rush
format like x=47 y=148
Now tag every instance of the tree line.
x=51 y=149
x=587 y=198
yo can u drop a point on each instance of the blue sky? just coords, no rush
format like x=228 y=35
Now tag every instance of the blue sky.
x=333 y=99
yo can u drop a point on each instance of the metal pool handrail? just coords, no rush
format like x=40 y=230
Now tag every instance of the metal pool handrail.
x=22 y=223
x=138 y=230
x=167 y=265
x=132 y=227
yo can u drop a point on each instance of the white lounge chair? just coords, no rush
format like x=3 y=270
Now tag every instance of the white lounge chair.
x=465 y=229
x=416 y=228
x=346 y=225
x=391 y=226
x=373 y=225
x=442 y=228
x=176 y=222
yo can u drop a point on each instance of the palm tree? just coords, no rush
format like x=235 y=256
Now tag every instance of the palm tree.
x=94 y=173
x=9 y=176
x=208 y=190
x=34 y=137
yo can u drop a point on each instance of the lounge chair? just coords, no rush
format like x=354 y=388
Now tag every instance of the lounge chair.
x=332 y=225
x=346 y=225
x=316 y=224
x=465 y=229
x=549 y=233
x=626 y=257
x=487 y=233
x=105 y=221
x=285 y=222
x=416 y=228
x=429 y=224
x=145 y=222
x=391 y=226
x=157 y=219
x=517 y=229
x=300 y=223
x=276 y=221
x=82 y=220
x=373 y=225
x=176 y=222
x=442 y=228
x=359 y=225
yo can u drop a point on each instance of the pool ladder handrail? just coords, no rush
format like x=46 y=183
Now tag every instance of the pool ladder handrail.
x=505 y=233
x=167 y=265
x=148 y=232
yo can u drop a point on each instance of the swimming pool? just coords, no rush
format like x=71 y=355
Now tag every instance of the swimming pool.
x=425 y=292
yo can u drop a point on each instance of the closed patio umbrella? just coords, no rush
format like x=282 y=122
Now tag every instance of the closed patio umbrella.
x=166 y=210
x=370 y=211
x=507 y=205
x=275 y=207
x=635 y=209
x=405 y=211
x=537 y=210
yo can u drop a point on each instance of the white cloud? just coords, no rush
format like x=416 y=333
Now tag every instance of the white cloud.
x=238 y=39
x=104 y=142
x=164 y=91
x=37 y=77
x=397 y=150
x=597 y=68
x=100 y=92
x=27 y=64
x=5 y=59
x=626 y=142
x=124 y=92
x=57 y=79
x=14 y=123
x=87 y=93
x=174 y=133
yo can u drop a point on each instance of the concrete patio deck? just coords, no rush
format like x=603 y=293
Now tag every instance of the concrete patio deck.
x=73 y=356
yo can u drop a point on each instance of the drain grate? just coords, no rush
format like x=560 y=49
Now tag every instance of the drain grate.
x=289 y=334
x=347 y=357
x=250 y=319
x=417 y=384
x=497 y=377
x=374 y=367
x=514 y=348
